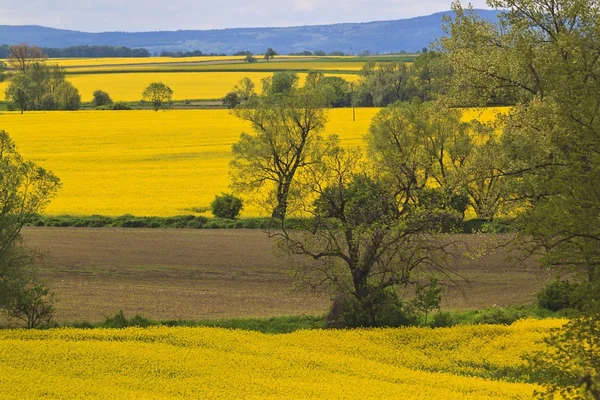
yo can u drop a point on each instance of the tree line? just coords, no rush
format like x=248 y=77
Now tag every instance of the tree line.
x=85 y=52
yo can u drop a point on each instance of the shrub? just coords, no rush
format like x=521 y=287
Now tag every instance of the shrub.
x=119 y=105
x=101 y=98
x=427 y=297
x=119 y=320
x=226 y=206
x=443 y=319
x=32 y=305
x=499 y=316
x=382 y=308
x=557 y=295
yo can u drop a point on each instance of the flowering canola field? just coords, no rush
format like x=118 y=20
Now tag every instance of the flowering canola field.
x=148 y=163
x=469 y=362
x=177 y=66
x=143 y=162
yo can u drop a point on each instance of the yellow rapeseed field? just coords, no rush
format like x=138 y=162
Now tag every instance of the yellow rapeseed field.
x=185 y=85
x=71 y=62
x=149 y=163
x=143 y=162
x=354 y=66
x=469 y=362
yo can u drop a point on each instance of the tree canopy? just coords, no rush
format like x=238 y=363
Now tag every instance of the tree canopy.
x=159 y=95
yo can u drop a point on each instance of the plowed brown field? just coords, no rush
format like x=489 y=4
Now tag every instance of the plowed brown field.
x=194 y=274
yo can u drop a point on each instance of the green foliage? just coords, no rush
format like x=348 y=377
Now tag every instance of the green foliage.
x=427 y=298
x=443 y=320
x=383 y=84
x=550 y=140
x=3 y=69
x=282 y=83
x=119 y=105
x=25 y=189
x=42 y=87
x=557 y=295
x=159 y=95
x=31 y=304
x=250 y=59
x=67 y=97
x=226 y=206
x=287 y=122
x=381 y=308
x=231 y=100
x=414 y=144
x=101 y=98
x=270 y=53
x=570 y=364
x=119 y=320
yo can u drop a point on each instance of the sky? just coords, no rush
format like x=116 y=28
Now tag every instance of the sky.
x=154 y=15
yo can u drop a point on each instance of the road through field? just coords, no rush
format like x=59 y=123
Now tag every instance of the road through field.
x=194 y=274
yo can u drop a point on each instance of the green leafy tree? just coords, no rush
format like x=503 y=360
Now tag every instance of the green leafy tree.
x=250 y=59
x=281 y=82
x=42 y=87
x=384 y=83
x=269 y=54
x=427 y=297
x=545 y=55
x=159 y=95
x=431 y=142
x=241 y=93
x=287 y=123
x=101 y=98
x=362 y=241
x=3 y=69
x=551 y=139
x=67 y=96
x=17 y=94
x=26 y=189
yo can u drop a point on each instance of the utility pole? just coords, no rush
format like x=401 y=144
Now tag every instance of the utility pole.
x=352 y=101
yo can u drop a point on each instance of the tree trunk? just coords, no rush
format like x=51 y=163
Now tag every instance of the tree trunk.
x=282 y=194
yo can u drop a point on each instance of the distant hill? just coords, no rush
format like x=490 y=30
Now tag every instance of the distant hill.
x=380 y=37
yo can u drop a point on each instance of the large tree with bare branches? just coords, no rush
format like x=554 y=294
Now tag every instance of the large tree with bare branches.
x=22 y=56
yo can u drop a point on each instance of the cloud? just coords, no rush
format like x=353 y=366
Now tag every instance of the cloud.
x=128 y=15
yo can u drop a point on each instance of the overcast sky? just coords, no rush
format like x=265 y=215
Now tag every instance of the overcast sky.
x=152 y=15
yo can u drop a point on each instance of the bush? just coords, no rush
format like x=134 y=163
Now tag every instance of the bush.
x=101 y=98
x=557 y=295
x=32 y=305
x=443 y=319
x=226 y=206
x=382 y=308
x=119 y=320
x=499 y=316
x=119 y=105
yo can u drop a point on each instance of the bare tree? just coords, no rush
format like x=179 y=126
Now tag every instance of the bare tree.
x=22 y=56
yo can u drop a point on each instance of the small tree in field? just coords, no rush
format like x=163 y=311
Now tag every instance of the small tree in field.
x=101 y=98
x=270 y=53
x=159 y=95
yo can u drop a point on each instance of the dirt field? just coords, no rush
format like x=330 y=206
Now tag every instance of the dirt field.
x=194 y=274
